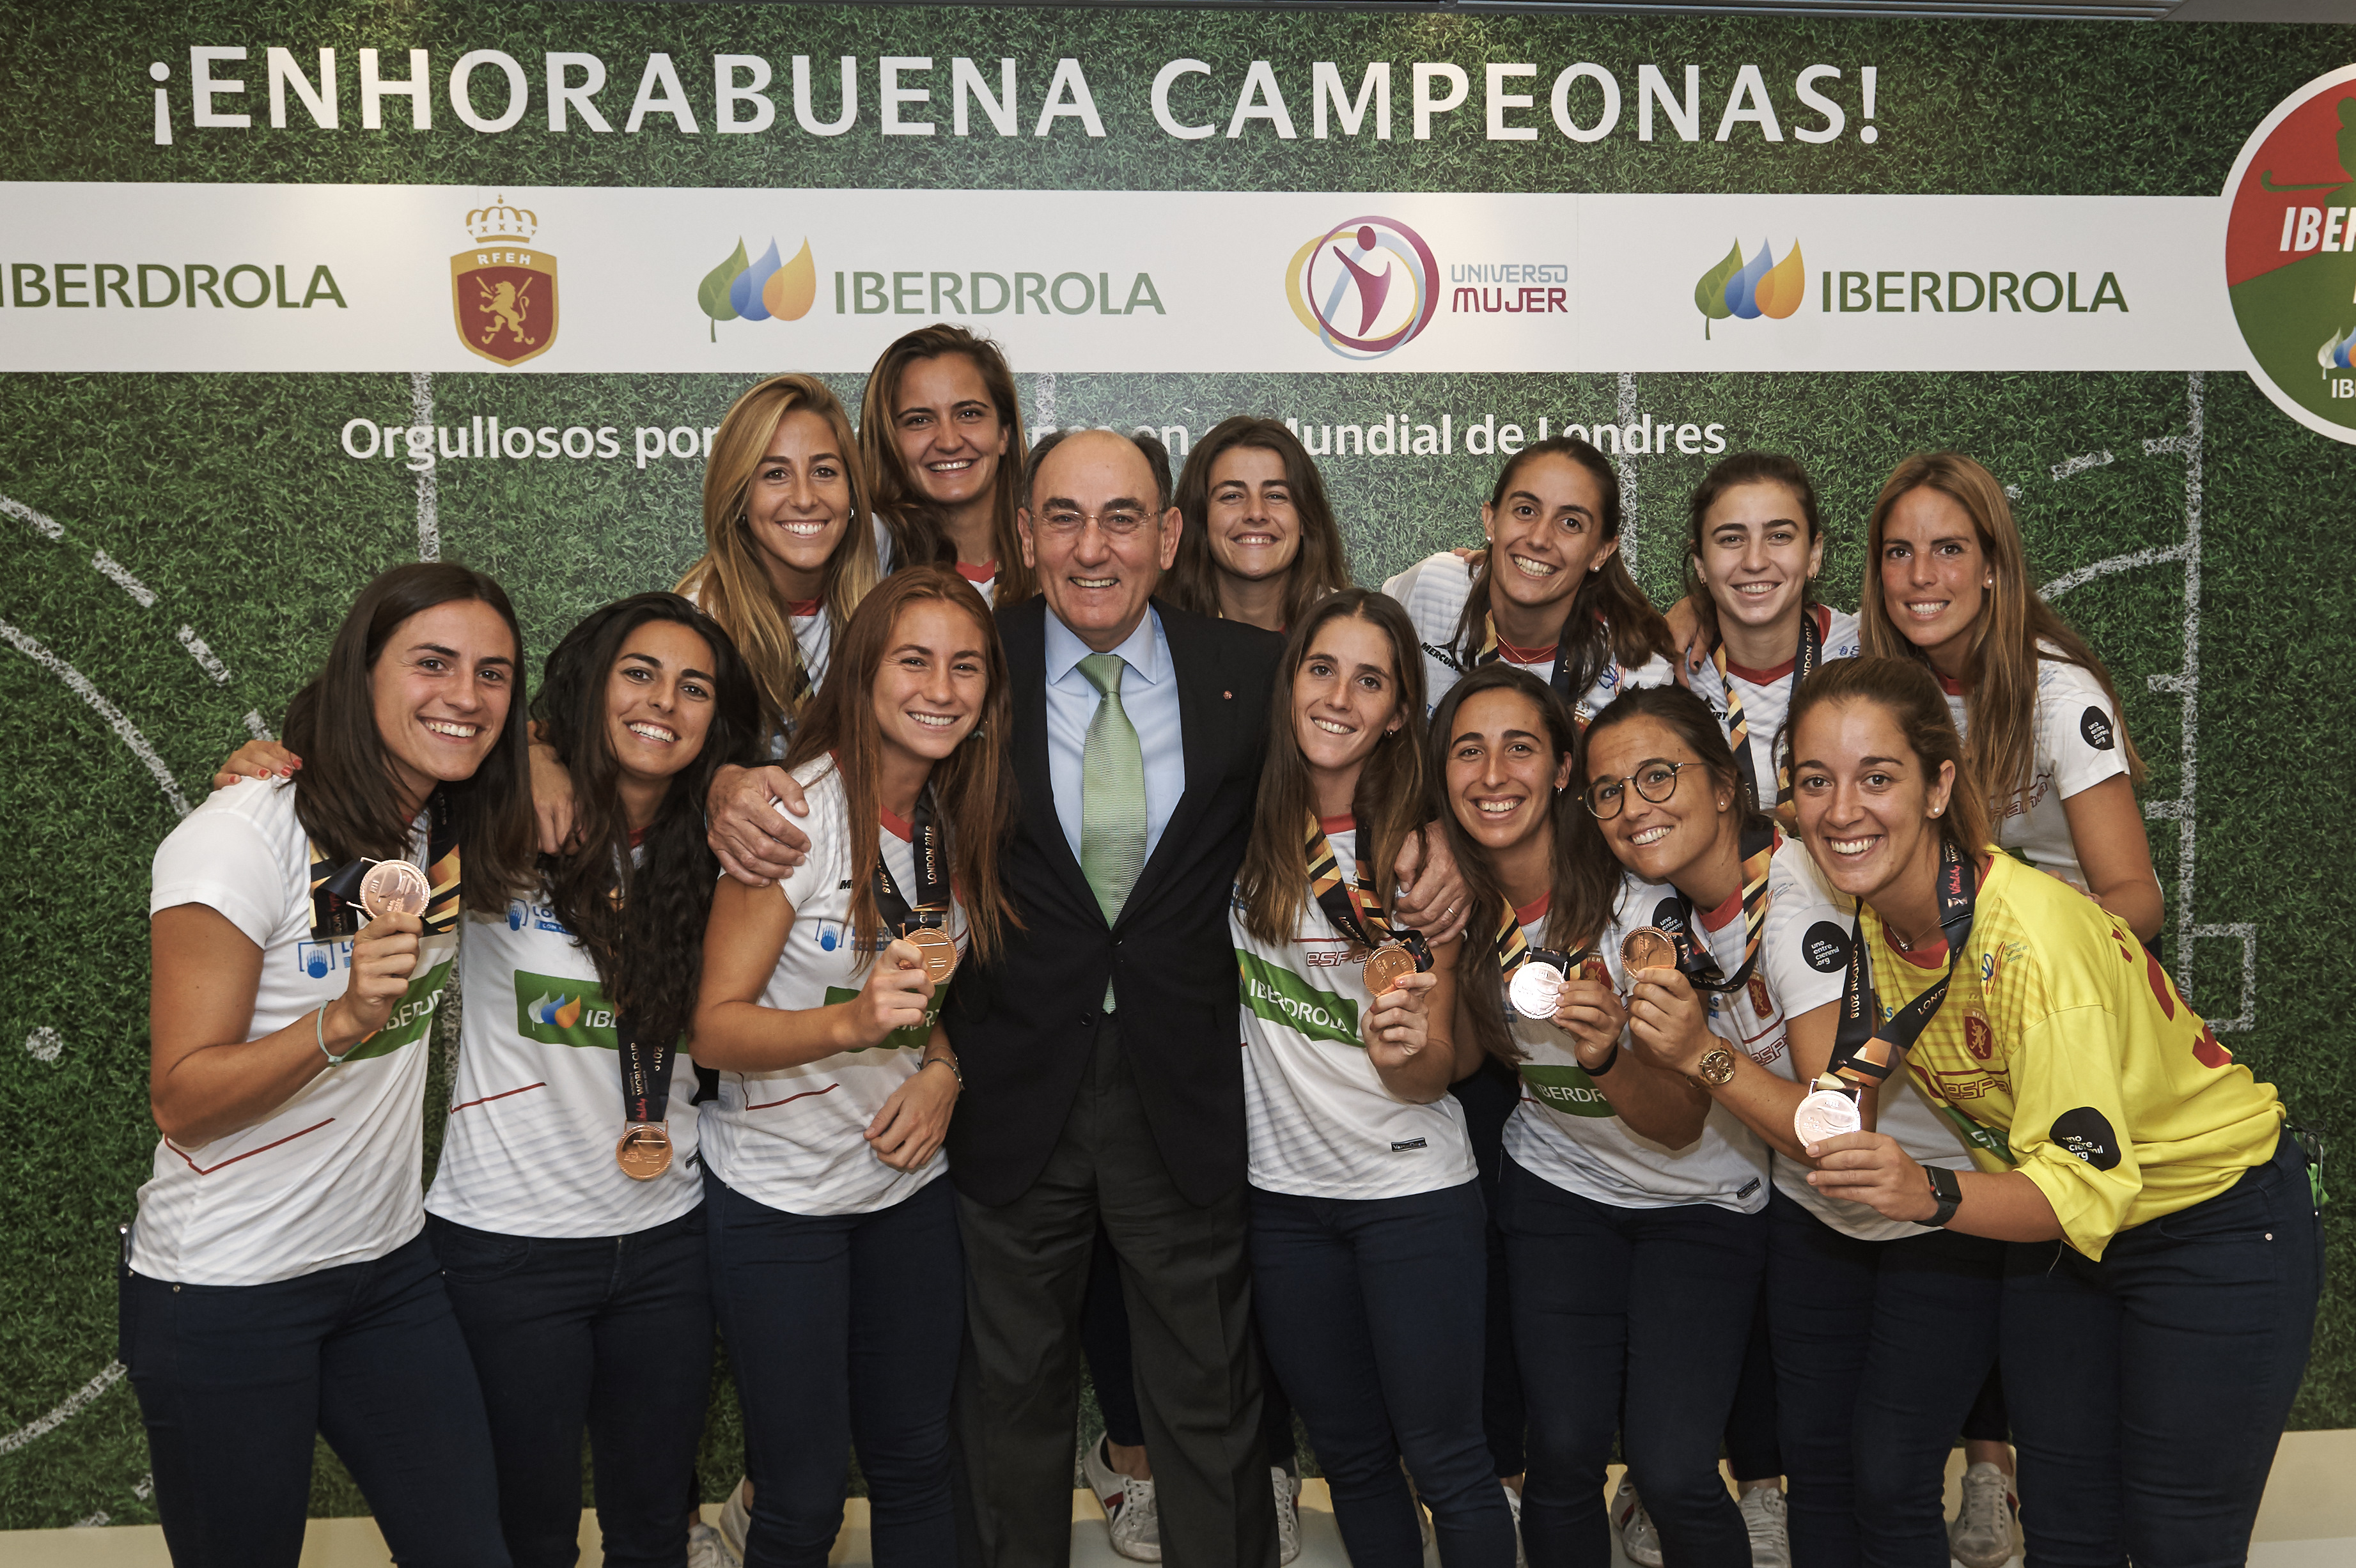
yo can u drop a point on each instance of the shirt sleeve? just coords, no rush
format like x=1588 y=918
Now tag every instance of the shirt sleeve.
x=2077 y=729
x=826 y=852
x=1654 y=671
x=223 y=860
x=1806 y=945
x=2070 y=1132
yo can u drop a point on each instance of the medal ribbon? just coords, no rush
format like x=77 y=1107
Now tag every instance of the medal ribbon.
x=929 y=843
x=1863 y=1055
x=1695 y=960
x=1560 y=678
x=1810 y=654
x=335 y=909
x=1350 y=906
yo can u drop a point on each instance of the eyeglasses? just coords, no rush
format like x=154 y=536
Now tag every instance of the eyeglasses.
x=1655 y=779
x=1115 y=522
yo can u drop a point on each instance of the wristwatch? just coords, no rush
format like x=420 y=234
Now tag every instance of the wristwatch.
x=951 y=1063
x=1947 y=1190
x=1715 y=1068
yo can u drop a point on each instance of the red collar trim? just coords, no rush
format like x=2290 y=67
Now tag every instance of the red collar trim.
x=1723 y=915
x=1953 y=687
x=1531 y=914
x=1931 y=955
x=986 y=573
x=638 y=835
x=1823 y=618
x=1345 y=823
x=804 y=608
x=1526 y=656
x=898 y=828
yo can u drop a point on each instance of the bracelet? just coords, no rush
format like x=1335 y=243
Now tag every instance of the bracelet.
x=1610 y=1062
x=951 y=1063
x=319 y=1033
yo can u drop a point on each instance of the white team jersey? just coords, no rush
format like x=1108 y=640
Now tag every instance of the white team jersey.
x=984 y=578
x=1565 y=1130
x=1767 y=693
x=1433 y=591
x=2077 y=730
x=1802 y=966
x=793 y=1139
x=536 y=1109
x=331 y=1176
x=1322 y=1124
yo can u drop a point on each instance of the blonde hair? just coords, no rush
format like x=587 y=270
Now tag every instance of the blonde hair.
x=729 y=583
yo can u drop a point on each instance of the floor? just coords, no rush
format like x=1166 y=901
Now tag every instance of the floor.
x=2309 y=1521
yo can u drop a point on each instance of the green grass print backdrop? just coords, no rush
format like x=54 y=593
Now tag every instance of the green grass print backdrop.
x=243 y=530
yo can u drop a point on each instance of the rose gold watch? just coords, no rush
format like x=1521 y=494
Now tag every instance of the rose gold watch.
x=1715 y=1068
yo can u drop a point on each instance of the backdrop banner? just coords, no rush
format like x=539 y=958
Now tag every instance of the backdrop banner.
x=290 y=292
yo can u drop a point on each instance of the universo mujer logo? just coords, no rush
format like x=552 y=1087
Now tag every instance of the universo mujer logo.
x=1366 y=287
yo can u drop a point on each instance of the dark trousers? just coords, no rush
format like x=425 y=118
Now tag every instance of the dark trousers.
x=1988 y=1420
x=2149 y=1390
x=1373 y=1309
x=1881 y=1348
x=234 y=1379
x=1489 y=1097
x=610 y=1334
x=1753 y=1449
x=843 y=1331
x=1104 y=1340
x=1656 y=1303
x=1183 y=1272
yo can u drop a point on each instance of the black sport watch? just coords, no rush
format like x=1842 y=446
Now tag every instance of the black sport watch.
x=1947 y=1190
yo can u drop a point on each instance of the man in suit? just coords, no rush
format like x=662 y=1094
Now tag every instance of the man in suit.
x=1102 y=1072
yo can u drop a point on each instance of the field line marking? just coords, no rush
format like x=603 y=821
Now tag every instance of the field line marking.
x=1627 y=411
x=113 y=716
x=2079 y=463
x=429 y=516
x=48 y=527
x=2127 y=562
x=34 y=1431
x=117 y=573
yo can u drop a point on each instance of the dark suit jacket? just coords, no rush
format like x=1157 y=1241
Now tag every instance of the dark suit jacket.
x=1025 y=1023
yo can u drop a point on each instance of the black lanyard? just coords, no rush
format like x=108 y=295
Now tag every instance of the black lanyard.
x=1694 y=960
x=1351 y=906
x=1854 y=1057
x=928 y=843
x=1811 y=654
x=335 y=909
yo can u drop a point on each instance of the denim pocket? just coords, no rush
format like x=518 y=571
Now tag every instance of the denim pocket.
x=470 y=1256
x=2243 y=1212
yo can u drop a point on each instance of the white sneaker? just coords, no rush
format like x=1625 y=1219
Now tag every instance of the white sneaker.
x=735 y=1521
x=1980 y=1535
x=1638 y=1539
x=1127 y=1504
x=1770 y=1538
x=706 y=1548
x=1288 y=1512
x=1513 y=1506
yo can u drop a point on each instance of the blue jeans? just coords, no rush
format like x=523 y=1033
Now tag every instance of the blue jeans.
x=612 y=1334
x=1881 y=1348
x=234 y=1379
x=1655 y=1301
x=1372 y=1309
x=844 y=1331
x=2149 y=1390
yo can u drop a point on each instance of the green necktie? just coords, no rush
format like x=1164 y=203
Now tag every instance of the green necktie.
x=1112 y=794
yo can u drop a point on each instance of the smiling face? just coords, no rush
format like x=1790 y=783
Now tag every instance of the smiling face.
x=1656 y=839
x=1502 y=772
x=659 y=701
x=947 y=430
x=1344 y=697
x=1547 y=534
x=1254 y=530
x=928 y=692
x=1756 y=555
x=1865 y=802
x=1936 y=575
x=1095 y=537
x=441 y=687
x=800 y=504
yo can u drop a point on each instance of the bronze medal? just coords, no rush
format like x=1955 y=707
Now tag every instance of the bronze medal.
x=393 y=887
x=644 y=1152
x=937 y=950
x=1386 y=966
x=1647 y=947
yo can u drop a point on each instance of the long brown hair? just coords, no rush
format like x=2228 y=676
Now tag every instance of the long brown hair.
x=917 y=537
x=1321 y=566
x=2015 y=628
x=729 y=580
x=345 y=797
x=1736 y=469
x=1582 y=889
x=967 y=785
x=639 y=919
x=1392 y=798
x=1608 y=617
x=1907 y=690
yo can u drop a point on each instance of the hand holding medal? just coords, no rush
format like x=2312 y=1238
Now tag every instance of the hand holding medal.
x=1667 y=1021
x=898 y=995
x=384 y=953
x=1398 y=1021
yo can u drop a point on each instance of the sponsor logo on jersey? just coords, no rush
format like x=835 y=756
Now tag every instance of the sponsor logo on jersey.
x=554 y=1010
x=912 y=1037
x=1824 y=948
x=318 y=959
x=2087 y=1132
x=1979 y=1035
x=2095 y=727
x=1278 y=994
x=539 y=916
x=1564 y=1087
x=411 y=1017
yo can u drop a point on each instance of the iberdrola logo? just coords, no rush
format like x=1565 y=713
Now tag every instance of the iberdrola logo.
x=557 y=1011
x=2290 y=253
x=1749 y=290
x=758 y=291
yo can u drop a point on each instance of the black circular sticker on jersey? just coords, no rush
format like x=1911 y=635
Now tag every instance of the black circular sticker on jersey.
x=1826 y=948
x=2095 y=726
x=2087 y=1132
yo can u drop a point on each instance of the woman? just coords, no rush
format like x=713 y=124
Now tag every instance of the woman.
x=1949 y=588
x=1368 y=1265
x=1549 y=594
x=835 y=1263
x=1849 y=1292
x=567 y=1209
x=1259 y=542
x=1631 y=1208
x=276 y=1284
x=941 y=434
x=2160 y=1292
